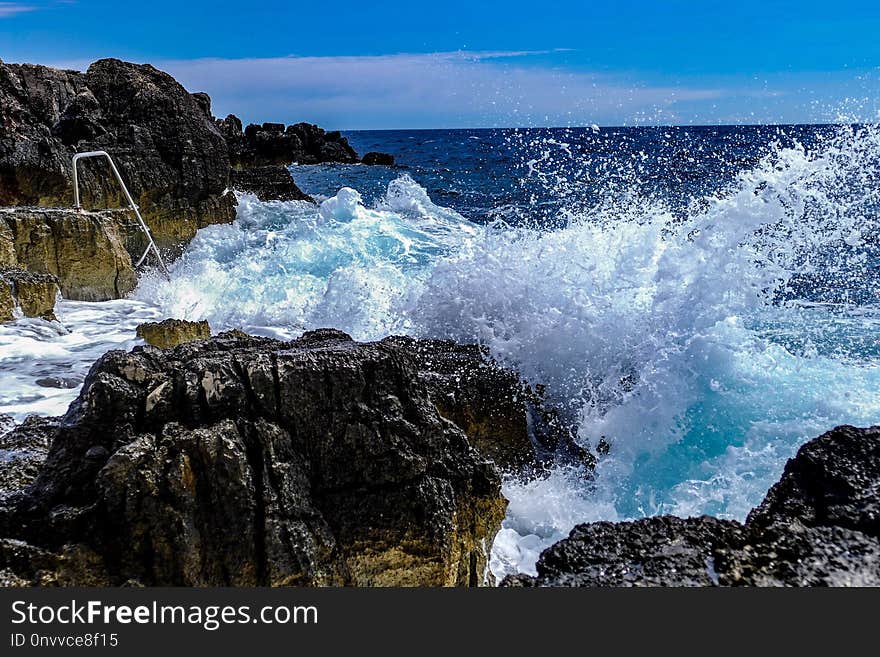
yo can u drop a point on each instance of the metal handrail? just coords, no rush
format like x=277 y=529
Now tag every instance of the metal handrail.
x=131 y=203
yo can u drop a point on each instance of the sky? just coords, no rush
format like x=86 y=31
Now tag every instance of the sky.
x=386 y=64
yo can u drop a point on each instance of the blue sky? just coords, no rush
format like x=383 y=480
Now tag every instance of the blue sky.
x=390 y=64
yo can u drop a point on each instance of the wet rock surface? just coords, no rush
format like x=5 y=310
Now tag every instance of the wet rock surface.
x=504 y=418
x=170 y=333
x=245 y=461
x=23 y=450
x=818 y=526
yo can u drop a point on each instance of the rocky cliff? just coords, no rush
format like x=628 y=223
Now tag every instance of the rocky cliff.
x=172 y=156
x=178 y=161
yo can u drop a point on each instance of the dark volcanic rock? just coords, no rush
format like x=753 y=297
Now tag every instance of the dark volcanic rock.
x=272 y=144
x=817 y=527
x=373 y=158
x=247 y=461
x=834 y=481
x=169 y=151
x=269 y=183
x=23 y=449
x=661 y=551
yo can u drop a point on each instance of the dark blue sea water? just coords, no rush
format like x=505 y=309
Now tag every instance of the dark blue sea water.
x=704 y=299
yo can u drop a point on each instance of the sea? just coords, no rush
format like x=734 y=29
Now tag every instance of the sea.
x=702 y=299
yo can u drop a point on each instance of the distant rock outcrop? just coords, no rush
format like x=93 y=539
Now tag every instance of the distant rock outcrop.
x=274 y=144
x=819 y=526
x=172 y=156
x=373 y=158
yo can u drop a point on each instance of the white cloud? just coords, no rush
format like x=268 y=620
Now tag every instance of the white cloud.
x=446 y=89
x=421 y=90
x=8 y=9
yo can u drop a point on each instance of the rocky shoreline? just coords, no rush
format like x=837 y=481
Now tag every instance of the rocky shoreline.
x=248 y=461
x=238 y=460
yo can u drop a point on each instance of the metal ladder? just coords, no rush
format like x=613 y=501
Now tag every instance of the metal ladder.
x=76 y=204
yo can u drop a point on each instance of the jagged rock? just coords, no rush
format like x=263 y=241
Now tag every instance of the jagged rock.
x=817 y=527
x=85 y=251
x=269 y=183
x=271 y=144
x=34 y=294
x=503 y=417
x=834 y=481
x=249 y=461
x=383 y=159
x=171 y=155
x=203 y=100
x=23 y=450
x=660 y=551
x=170 y=333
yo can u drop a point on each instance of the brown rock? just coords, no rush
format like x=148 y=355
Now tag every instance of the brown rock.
x=504 y=418
x=34 y=293
x=84 y=251
x=169 y=333
x=7 y=302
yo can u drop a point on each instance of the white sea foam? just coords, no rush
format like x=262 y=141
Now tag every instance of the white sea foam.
x=43 y=364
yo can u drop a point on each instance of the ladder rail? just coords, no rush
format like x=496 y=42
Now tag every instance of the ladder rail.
x=151 y=246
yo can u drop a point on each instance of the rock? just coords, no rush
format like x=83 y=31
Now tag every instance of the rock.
x=170 y=333
x=271 y=144
x=834 y=481
x=269 y=183
x=7 y=302
x=818 y=526
x=171 y=155
x=203 y=100
x=33 y=294
x=23 y=450
x=373 y=158
x=793 y=556
x=660 y=551
x=85 y=251
x=249 y=461
x=504 y=419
